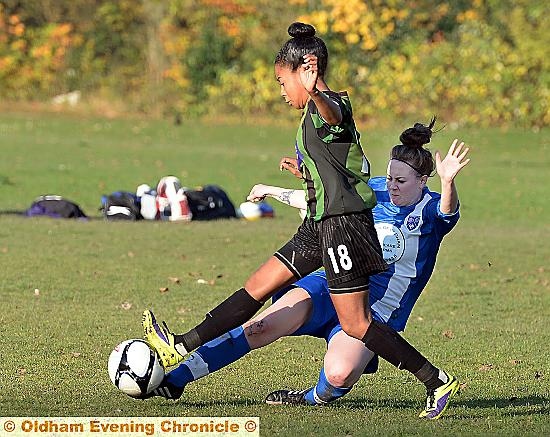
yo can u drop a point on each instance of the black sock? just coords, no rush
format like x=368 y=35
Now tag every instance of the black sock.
x=386 y=342
x=431 y=376
x=232 y=312
x=190 y=341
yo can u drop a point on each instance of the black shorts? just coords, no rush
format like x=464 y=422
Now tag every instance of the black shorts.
x=346 y=246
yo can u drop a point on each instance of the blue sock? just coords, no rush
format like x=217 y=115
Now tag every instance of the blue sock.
x=324 y=392
x=212 y=356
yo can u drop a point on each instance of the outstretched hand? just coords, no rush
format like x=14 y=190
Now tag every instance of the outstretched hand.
x=290 y=164
x=308 y=73
x=258 y=193
x=448 y=168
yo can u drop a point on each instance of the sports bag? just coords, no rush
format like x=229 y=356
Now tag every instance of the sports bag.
x=174 y=208
x=54 y=206
x=120 y=205
x=210 y=203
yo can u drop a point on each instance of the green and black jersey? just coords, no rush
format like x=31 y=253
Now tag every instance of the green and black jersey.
x=332 y=162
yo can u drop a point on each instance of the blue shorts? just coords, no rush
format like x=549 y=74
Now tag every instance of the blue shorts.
x=323 y=322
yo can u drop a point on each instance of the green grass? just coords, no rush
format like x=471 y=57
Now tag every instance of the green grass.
x=484 y=314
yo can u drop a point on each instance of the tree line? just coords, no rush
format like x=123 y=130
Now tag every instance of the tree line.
x=483 y=62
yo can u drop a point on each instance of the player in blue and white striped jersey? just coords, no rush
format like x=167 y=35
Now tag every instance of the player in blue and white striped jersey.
x=411 y=222
x=410 y=236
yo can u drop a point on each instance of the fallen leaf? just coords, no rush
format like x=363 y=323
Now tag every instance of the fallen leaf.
x=211 y=282
x=163 y=289
x=474 y=266
x=515 y=362
x=174 y=280
x=463 y=386
x=202 y=281
x=486 y=367
x=36 y=292
x=76 y=354
x=420 y=318
x=21 y=371
x=448 y=333
x=4 y=250
x=125 y=305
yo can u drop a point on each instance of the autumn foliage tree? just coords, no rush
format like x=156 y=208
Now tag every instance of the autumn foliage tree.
x=472 y=61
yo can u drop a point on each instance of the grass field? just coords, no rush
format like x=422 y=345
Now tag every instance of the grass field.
x=483 y=316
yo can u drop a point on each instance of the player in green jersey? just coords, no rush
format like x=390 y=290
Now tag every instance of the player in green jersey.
x=337 y=234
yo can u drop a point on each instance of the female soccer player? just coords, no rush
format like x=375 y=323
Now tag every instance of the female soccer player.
x=337 y=234
x=411 y=222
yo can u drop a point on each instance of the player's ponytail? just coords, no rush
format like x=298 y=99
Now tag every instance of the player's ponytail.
x=303 y=42
x=412 y=151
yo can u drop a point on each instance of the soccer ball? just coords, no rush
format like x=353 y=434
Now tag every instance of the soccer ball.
x=250 y=211
x=134 y=368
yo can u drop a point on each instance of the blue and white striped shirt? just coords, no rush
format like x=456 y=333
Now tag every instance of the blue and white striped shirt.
x=410 y=237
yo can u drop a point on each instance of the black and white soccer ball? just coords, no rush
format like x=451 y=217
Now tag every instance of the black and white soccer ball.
x=134 y=368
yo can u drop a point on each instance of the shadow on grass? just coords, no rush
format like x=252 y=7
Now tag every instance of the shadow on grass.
x=542 y=405
x=217 y=403
x=12 y=212
x=515 y=406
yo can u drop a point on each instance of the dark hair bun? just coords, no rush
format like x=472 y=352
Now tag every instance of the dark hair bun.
x=301 y=30
x=418 y=135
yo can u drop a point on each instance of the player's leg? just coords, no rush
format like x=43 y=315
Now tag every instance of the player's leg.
x=386 y=342
x=282 y=318
x=344 y=363
x=234 y=311
x=356 y=321
x=296 y=259
x=350 y=254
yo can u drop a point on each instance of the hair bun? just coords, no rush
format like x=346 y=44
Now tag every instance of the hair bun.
x=301 y=30
x=418 y=135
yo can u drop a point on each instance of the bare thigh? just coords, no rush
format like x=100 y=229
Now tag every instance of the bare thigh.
x=345 y=360
x=282 y=318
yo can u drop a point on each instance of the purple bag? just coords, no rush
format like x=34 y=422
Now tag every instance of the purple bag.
x=56 y=207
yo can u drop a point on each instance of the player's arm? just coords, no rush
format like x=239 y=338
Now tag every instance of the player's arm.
x=289 y=196
x=328 y=109
x=447 y=169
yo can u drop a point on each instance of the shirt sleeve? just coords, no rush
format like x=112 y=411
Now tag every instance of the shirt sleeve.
x=443 y=223
x=325 y=131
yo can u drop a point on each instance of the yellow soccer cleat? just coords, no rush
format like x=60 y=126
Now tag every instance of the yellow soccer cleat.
x=161 y=339
x=437 y=400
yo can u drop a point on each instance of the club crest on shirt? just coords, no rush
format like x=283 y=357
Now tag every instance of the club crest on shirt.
x=412 y=222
